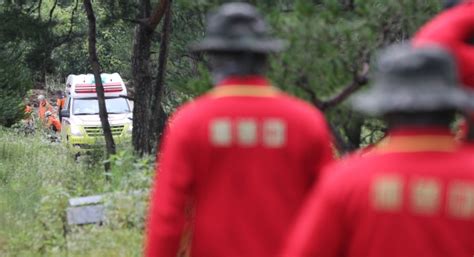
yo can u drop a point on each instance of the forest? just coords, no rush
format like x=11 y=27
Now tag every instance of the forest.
x=330 y=46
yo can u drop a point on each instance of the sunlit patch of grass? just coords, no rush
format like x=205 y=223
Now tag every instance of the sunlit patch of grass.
x=105 y=242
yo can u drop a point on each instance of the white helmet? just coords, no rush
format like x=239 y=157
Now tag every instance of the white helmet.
x=40 y=97
x=47 y=114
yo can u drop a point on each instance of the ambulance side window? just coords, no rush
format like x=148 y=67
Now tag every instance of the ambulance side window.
x=248 y=132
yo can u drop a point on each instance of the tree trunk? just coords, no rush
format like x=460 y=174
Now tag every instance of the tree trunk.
x=143 y=136
x=157 y=118
x=94 y=61
x=142 y=84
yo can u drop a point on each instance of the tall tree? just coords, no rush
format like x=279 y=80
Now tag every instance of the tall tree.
x=143 y=126
x=94 y=61
x=158 y=117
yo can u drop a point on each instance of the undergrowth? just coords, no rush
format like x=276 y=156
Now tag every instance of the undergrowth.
x=37 y=177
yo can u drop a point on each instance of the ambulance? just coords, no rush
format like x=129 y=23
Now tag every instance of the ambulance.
x=81 y=126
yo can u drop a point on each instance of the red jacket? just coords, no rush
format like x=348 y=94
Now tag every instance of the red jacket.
x=246 y=154
x=454 y=30
x=411 y=196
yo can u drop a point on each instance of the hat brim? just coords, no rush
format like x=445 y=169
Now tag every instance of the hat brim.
x=221 y=45
x=378 y=102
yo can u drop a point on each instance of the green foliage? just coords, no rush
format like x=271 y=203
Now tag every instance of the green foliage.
x=36 y=180
x=15 y=82
x=113 y=49
x=328 y=42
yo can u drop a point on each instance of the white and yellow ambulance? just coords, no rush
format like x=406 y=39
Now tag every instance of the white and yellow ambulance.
x=81 y=126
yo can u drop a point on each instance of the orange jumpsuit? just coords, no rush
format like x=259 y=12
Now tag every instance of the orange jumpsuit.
x=54 y=124
x=28 y=111
x=44 y=106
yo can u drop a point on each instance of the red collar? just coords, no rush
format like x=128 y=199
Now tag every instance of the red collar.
x=253 y=80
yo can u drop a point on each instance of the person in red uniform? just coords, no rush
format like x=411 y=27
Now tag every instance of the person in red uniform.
x=242 y=157
x=454 y=30
x=413 y=195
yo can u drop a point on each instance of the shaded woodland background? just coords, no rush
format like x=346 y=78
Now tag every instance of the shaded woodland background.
x=330 y=47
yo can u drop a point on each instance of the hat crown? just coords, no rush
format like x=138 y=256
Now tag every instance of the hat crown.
x=408 y=79
x=236 y=20
x=404 y=66
x=237 y=27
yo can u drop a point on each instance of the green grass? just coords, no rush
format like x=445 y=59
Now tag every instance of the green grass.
x=36 y=180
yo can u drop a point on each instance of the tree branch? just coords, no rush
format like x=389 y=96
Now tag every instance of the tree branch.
x=32 y=8
x=40 y=3
x=302 y=83
x=51 y=12
x=358 y=81
x=158 y=14
x=71 y=26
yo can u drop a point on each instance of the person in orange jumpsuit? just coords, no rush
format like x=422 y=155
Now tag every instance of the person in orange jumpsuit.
x=28 y=111
x=413 y=195
x=43 y=107
x=52 y=122
x=454 y=30
x=243 y=156
x=60 y=102
x=28 y=114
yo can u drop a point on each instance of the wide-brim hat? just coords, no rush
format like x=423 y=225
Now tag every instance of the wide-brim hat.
x=237 y=27
x=408 y=79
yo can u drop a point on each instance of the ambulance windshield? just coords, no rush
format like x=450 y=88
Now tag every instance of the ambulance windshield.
x=90 y=106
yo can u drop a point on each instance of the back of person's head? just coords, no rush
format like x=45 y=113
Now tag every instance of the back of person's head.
x=442 y=118
x=415 y=86
x=447 y=4
x=224 y=64
x=237 y=41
